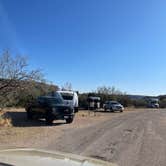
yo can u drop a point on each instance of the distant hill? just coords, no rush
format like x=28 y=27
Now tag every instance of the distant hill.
x=138 y=97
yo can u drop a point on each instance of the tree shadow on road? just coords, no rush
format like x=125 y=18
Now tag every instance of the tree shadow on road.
x=19 y=119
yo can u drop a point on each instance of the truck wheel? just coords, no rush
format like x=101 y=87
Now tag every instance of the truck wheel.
x=69 y=120
x=111 y=110
x=76 y=109
x=49 y=119
x=29 y=114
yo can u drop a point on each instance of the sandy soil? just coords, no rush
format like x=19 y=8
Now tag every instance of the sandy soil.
x=132 y=138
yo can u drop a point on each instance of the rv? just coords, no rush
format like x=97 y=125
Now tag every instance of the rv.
x=69 y=98
x=153 y=103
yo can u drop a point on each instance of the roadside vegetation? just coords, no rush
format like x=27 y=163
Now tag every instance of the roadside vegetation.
x=162 y=101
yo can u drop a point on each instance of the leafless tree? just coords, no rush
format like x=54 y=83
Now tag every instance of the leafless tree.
x=108 y=90
x=67 y=86
x=14 y=75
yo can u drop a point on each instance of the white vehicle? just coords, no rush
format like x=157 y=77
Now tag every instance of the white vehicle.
x=38 y=157
x=70 y=98
x=113 y=106
x=94 y=102
x=153 y=103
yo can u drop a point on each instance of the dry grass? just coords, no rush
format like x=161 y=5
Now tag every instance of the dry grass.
x=87 y=113
x=5 y=119
x=130 y=109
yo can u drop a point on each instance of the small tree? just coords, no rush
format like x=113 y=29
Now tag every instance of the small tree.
x=15 y=76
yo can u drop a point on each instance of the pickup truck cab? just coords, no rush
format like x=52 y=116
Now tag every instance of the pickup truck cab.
x=50 y=108
x=113 y=106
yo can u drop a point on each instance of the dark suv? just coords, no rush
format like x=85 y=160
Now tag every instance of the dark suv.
x=50 y=108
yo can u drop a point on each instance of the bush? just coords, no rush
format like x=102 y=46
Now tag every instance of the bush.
x=140 y=103
x=163 y=103
x=83 y=102
x=5 y=120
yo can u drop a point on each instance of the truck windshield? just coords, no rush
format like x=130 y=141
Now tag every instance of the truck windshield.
x=67 y=96
x=54 y=101
x=50 y=100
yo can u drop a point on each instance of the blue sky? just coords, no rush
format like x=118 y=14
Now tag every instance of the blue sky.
x=90 y=43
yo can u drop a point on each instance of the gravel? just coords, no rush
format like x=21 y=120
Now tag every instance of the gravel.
x=132 y=138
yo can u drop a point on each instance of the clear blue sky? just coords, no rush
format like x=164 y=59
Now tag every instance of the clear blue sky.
x=90 y=43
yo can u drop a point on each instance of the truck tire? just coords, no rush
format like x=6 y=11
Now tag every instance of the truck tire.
x=76 y=109
x=69 y=120
x=29 y=114
x=49 y=119
x=111 y=110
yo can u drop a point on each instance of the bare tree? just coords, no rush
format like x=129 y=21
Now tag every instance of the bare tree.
x=67 y=86
x=14 y=75
x=108 y=90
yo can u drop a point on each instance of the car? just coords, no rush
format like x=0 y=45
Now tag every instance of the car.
x=113 y=106
x=50 y=108
x=69 y=98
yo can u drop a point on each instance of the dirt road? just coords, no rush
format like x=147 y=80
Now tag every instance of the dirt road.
x=136 y=138
x=132 y=139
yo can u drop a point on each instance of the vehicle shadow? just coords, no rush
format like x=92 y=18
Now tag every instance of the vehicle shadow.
x=101 y=111
x=19 y=119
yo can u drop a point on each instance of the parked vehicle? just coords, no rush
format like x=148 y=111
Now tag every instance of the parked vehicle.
x=94 y=103
x=113 y=106
x=50 y=108
x=153 y=103
x=69 y=98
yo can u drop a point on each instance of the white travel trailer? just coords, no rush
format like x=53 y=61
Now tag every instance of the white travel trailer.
x=94 y=102
x=69 y=98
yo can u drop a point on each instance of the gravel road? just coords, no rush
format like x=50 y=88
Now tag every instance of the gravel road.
x=132 y=138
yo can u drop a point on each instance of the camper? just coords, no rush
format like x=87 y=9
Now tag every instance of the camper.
x=69 y=98
x=153 y=103
x=94 y=102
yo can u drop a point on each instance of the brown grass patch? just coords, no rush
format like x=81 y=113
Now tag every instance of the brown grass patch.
x=5 y=119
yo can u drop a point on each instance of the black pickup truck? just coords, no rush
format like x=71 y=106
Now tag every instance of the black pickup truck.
x=50 y=108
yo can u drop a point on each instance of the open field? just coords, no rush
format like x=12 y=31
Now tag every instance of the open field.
x=132 y=138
